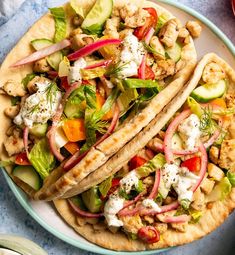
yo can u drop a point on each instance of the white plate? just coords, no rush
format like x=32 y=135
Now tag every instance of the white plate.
x=211 y=40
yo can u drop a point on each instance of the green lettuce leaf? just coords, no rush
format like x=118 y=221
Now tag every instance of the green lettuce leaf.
x=105 y=186
x=60 y=23
x=162 y=19
x=132 y=83
x=41 y=158
x=27 y=79
x=231 y=177
x=152 y=165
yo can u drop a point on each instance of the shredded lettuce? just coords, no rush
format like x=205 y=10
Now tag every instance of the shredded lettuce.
x=231 y=177
x=126 y=97
x=155 y=163
x=105 y=186
x=220 y=191
x=132 y=83
x=89 y=74
x=60 y=23
x=64 y=67
x=41 y=158
x=196 y=215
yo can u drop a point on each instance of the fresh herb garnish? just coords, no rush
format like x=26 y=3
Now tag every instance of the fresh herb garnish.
x=207 y=124
x=27 y=79
x=115 y=69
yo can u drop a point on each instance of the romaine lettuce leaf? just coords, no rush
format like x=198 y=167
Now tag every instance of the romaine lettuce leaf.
x=41 y=158
x=60 y=23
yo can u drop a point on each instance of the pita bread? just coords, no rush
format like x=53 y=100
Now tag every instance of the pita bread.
x=97 y=156
x=213 y=215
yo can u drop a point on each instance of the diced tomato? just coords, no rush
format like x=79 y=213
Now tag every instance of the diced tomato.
x=71 y=147
x=149 y=234
x=64 y=83
x=149 y=74
x=22 y=159
x=151 y=21
x=52 y=74
x=193 y=164
x=136 y=162
x=74 y=130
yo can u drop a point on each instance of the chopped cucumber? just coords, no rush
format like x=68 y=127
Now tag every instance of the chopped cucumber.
x=208 y=92
x=174 y=52
x=55 y=58
x=73 y=110
x=28 y=175
x=100 y=12
x=177 y=143
x=92 y=200
x=39 y=130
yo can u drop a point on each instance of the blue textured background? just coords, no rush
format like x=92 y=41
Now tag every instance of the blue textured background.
x=13 y=219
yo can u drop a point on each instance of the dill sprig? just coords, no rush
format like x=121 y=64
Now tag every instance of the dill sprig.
x=207 y=124
x=151 y=50
x=115 y=69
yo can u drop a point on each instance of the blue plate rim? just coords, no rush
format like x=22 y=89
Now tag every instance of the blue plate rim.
x=19 y=194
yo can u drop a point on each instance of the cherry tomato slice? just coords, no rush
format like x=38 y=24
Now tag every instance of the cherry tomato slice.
x=149 y=74
x=136 y=162
x=149 y=234
x=22 y=159
x=193 y=164
x=151 y=21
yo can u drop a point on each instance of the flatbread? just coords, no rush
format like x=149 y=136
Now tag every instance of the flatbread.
x=96 y=157
x=213 y=215
x=211 y=219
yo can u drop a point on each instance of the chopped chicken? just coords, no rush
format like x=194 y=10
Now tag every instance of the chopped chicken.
x=41 y=66
x=207 y=185
x=133 y=16
x=194 y=28
x=163 y=68
x=80 y=40
x=230 y=100
x=14 y=89
x=227 y=155
x=32 y=85
x=214 y=154
x=161 y=227
x=198 y=200
x=12 y=111
x=111 y=27
x=213 y=73
x=169 y=32
x=132 y=224
x=14 y=144
x=215 y=172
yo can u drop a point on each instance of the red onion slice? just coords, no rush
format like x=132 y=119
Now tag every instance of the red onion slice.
x=26 y=140
x=176 y=219
x=43 y=53
x=103 y=63
x=154 y=191
x=233 y=6
x=90 y=48
x=84 y=213
x=169 y=134
x=149 y=35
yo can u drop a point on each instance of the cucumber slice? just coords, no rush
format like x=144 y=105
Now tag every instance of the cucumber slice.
x=55 y=58
x=174 y=52
x=28 y=175
x=39 y=130
x=208 y=92
x=97 y=16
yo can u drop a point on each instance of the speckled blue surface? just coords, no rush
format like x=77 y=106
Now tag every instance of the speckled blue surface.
x=13 y=219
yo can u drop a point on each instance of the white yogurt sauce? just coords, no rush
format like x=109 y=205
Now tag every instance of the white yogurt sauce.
x=131 y=56
x=190 y=132
x=74 y=71
x=129 y=181
x=114 y=204
x=39 y=107
x=150 y=204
